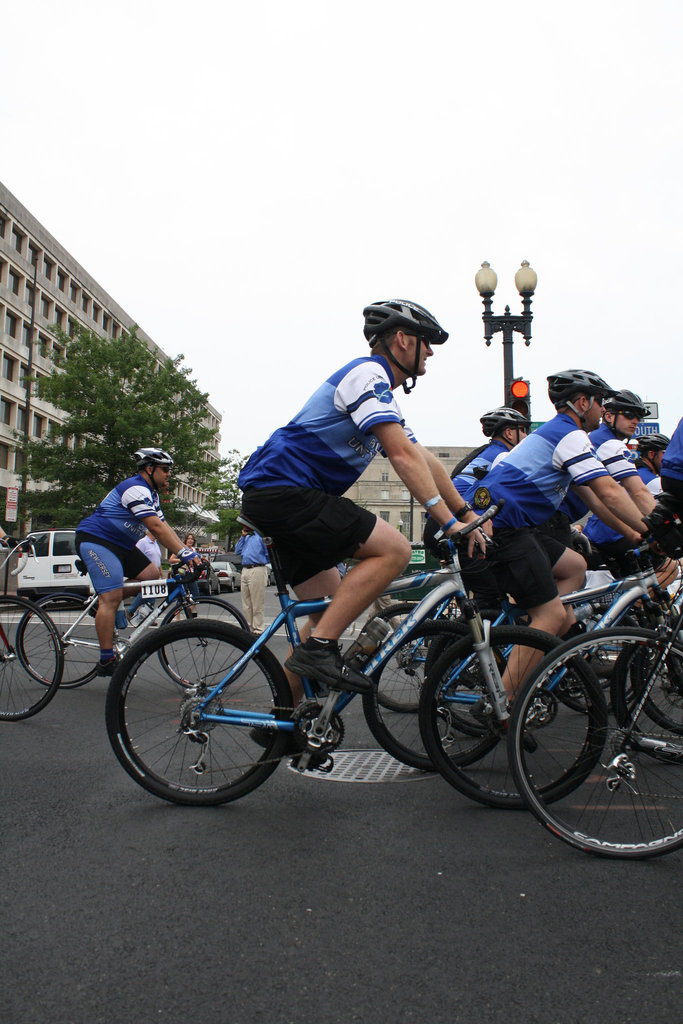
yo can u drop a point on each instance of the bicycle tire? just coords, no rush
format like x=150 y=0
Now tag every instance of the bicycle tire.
x=82 y=656
x=664 y=705
x=31 y=660
x=207 y=607
x=394 y=614
x=145 y=705
x=626 y=798
x=401 y=679
x=470 y=754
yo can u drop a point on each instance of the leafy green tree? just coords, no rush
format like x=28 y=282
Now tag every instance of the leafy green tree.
x=118 y=396
x=226 y=499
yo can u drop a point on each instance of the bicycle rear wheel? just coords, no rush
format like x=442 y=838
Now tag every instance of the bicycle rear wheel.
x=207 y=607
x=391 y=709
x=81 y=649
x=164 y=742
x=625 y=792
x=469 y=750
x=30 y=659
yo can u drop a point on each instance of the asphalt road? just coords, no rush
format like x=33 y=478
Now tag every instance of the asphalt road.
x=307 y=901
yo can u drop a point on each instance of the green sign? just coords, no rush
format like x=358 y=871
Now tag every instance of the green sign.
x=417 y=556
x=537 y=423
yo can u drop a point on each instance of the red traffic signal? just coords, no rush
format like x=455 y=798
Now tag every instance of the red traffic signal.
x=520 y=396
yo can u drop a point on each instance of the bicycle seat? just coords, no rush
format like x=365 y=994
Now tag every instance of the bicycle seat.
x=251 y=526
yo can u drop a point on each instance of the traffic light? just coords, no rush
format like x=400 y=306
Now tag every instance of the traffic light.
x=520 y=396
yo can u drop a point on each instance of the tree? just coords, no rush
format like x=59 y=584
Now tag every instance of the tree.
x=226 y=499
x=118 y=396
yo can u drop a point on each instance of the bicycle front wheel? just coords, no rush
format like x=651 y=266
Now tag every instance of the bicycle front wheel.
x=206 y=607
x=30 y=659
x=624 y=796
x=467 y=747
x=160 y=735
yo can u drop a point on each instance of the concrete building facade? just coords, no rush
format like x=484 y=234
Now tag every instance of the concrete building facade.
x=381 y=490
x=42 y=285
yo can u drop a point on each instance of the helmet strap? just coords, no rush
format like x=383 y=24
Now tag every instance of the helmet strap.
x=392 y=359
x=581 y=416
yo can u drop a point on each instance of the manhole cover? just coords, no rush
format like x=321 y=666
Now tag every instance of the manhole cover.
x=367 y=766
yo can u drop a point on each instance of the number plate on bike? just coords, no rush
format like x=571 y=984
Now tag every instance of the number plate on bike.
x=157 y=588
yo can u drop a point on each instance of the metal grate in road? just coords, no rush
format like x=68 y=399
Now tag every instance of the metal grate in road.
x=367 y=766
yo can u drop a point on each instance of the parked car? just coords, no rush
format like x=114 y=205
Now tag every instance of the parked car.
x=228 y=577
x=209 y=582
x=52 y=566
x=236 y=562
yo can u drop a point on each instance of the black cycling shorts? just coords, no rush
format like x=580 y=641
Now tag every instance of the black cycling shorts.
x=312 y=530
x=522 y=561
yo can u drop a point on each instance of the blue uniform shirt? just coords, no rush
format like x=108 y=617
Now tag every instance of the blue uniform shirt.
x=467 y=481
x=672 y=463
x=329 y=443
x=120 y=518
x=534 y=478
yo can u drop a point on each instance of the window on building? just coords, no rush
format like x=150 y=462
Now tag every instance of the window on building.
x=14 y=281
x=6 y=411
x=74 y=291
x=384 y=495
x=45 y=306
x=33 y=254
x=4 y=456
x=444 y=455
x=115 y=330
x=405 y=495
x=2 y=227
x=48 y=267
x=26 y=333
x=61 y=280
x=384 y=477
x=9 y=367
x=72 y=327
x=11 y=323
x=18 y=466
x=384 y=516
x=18 y=239
x=38 y=425
x=59 y=317
x=28 y=295
x=105 y=322
x=21 y=419
x=85 y=302
x=96 y=312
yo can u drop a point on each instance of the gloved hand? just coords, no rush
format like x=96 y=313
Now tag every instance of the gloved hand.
x=187 y=555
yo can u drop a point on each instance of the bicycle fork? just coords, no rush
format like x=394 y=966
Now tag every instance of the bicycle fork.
x=489 y=669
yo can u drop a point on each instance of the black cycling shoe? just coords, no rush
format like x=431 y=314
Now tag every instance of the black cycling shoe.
x=106 y=668
x=324 y=663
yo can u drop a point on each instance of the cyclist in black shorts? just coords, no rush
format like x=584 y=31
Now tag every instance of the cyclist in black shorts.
x=294 y=484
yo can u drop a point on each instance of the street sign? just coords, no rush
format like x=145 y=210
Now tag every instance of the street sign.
x=11 y=504
x=417 y=556
x=646 y=428
x=536 y=423
x=652 y=412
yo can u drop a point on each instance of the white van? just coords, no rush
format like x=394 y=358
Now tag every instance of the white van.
x=53 y=567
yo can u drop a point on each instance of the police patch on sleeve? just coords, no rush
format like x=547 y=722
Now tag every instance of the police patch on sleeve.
x=482 y=498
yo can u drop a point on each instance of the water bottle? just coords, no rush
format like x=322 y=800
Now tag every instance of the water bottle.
x=121 y=619
x=141 y=614
x=367 y=641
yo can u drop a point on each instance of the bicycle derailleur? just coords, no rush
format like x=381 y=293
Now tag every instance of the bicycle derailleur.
x=318 y=731
x=190 y=721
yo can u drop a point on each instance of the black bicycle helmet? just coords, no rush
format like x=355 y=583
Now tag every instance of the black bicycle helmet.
x=401 y=315
x=566 y=385
x=627 y=402
x=652 y=443
x=496 y=420
x=152 y=457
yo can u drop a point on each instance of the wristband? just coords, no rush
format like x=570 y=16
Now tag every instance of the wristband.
x=440 y=533
x=464 y=510
x=432 y=501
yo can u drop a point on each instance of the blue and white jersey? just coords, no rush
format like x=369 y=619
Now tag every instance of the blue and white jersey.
x=120 y=518
x=613 y=453
x=534 y=477
x=598 y=532
x=475 y=471
x=672 y=463
x=329 y=443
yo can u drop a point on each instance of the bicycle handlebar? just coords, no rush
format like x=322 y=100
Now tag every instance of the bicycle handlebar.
x=191 y=573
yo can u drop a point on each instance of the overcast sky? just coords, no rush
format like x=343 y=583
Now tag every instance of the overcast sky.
x=244 y=178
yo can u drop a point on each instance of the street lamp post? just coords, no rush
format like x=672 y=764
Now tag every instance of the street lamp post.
x=486 y=280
